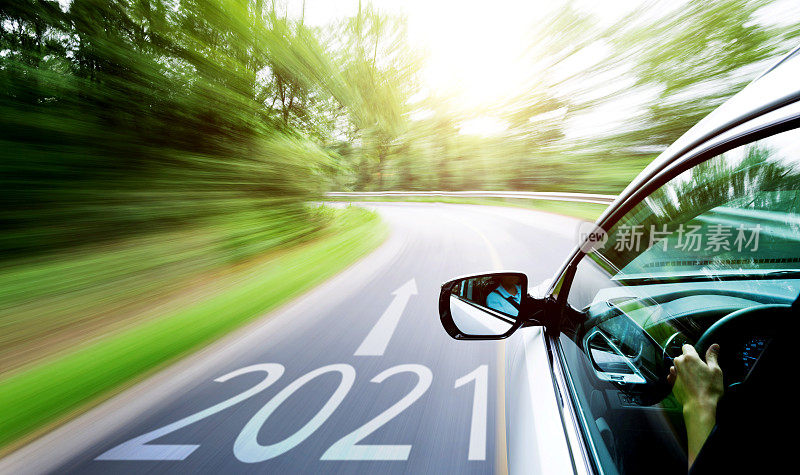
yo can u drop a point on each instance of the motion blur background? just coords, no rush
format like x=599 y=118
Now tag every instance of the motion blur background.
x=158 y=154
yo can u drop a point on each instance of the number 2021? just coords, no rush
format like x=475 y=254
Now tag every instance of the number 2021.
x=247 y=449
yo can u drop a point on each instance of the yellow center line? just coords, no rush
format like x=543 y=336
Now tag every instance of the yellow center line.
x=501 y=455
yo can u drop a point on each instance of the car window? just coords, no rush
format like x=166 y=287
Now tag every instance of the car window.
x=718 y=238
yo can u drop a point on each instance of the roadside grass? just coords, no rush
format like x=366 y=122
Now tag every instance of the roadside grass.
x=588 y=211
x=51 y=302
x=38 y=395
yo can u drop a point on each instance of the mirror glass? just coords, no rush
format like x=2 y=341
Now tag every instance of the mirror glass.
x=487 y=304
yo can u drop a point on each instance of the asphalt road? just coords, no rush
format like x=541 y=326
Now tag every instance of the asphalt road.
x=356 y=376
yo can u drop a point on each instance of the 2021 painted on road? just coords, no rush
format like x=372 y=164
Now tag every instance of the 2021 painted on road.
x=248 y=450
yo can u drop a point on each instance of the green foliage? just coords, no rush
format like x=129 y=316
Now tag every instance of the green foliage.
x=135 y=116
x=124 y=117
x=379 y=71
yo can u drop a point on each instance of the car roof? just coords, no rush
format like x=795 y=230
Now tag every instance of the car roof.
x=773 y=89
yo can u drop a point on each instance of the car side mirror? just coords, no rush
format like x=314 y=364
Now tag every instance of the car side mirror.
x=484 y=306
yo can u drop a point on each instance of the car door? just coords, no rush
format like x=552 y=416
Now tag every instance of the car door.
x=715 y=235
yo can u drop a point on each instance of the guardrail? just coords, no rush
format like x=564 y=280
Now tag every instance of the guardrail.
x=530 y=195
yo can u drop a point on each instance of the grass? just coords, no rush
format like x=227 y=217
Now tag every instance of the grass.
x=54 y=301
x=588 y=211
x=36 y=396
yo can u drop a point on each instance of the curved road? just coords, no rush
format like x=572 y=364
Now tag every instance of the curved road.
x=355 y=376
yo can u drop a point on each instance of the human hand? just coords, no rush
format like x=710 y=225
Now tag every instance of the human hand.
x=698 y=387
x=696 y=384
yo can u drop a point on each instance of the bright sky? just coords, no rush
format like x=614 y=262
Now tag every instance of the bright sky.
x=473 y=47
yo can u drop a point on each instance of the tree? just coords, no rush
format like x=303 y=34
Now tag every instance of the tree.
x=695 y=57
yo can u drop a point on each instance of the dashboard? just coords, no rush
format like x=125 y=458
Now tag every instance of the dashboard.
x=643 y=335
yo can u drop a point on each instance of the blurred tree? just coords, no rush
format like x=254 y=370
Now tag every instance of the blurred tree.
x=694 y=56
x=122 y=117
x=378 y=69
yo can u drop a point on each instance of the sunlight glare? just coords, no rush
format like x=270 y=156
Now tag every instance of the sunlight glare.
x=473 y=48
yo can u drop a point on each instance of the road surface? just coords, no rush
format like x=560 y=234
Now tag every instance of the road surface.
x=355 y=376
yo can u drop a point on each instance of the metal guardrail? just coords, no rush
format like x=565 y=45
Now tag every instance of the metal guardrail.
x=530 y=195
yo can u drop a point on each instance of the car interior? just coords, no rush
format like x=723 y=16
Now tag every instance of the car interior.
x=477 y=290
x=639 y=421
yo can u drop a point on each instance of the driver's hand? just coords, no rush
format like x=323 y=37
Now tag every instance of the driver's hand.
x=696 y=384
x=698 y=387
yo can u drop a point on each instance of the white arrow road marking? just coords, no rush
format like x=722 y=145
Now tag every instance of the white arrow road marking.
x=378 y=338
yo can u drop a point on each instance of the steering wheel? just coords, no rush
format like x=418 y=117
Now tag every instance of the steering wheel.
x=733 y=331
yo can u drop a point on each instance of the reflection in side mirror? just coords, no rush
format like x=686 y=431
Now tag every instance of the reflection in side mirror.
x=483 y=306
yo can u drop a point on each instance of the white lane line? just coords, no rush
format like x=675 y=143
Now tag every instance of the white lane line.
x=378 y=338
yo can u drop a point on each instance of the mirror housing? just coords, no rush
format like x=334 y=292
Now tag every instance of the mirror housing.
x=488 y=306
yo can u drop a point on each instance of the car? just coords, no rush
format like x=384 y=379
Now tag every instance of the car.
x=702 y=247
